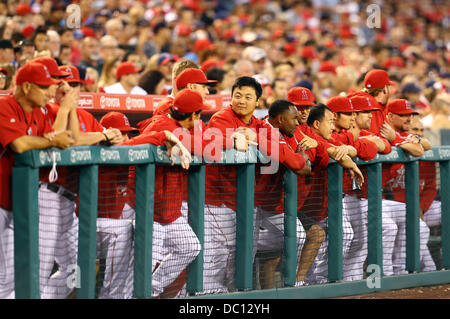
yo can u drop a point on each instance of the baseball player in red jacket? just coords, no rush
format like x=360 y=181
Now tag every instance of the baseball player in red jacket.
x=175 y=241
x=269 y=198
x=23 y=127
x=393 y=211
x=238 y=128
x=88 y=132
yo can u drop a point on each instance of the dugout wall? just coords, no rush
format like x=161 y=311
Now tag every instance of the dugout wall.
x=147 y=157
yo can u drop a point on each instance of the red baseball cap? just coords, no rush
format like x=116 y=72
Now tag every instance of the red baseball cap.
x=340 y=104
x=4 y=71
x=308 y=52
x=126 y=68
x=34 y=72
x=203 y=44
x=208 y=64
x=23 y=9
x=327 y=66
x=192 y=75
x=88 y=32
x=188 y=101
x=28 y=30
x=364 y=103
x=400 y=106
x=377 y=79
x=51 y=65
x=117 y=120
x=74 y=74
x=300 y=96
x=395 y=61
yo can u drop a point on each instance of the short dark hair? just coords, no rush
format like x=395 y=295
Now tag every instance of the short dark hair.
x=215 y=73
x=317 y=113
x=279 y=107
x=149 y=81
x=272 y=85
x=248 y=81
x=180 y=116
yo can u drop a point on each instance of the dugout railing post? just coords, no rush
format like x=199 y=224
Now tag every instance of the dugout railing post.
x=143 y=230
x=87 y=233
x=196 y=216
x=374 y=219
x=290 y=228
x=335 y=196
x=25 y=185
x=445 y=213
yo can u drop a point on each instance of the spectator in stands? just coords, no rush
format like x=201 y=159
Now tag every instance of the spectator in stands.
x=54 y=43
x=6 y=51
x=439 y=117
x=127 y=76
x=109 y=47
x=40 y=39
x=108 y=73
x=90 y=54
x=164 y=64
x=279 y=90
x=65 y=53
x=152 y=82
x=90 y=83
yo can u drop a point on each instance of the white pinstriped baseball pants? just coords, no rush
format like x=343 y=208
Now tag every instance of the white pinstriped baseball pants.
x=6 y=255
x=56 y=215
x=176 y=245
x=272 y=235
x=355 y=210
x=394 y=240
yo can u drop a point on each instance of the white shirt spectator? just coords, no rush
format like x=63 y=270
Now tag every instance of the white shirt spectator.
x=117 y=88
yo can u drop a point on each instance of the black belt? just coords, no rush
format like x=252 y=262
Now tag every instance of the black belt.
x=61 y=191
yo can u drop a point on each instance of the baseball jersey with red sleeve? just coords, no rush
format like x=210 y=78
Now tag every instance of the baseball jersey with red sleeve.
x=268 y=192
x=15 y=122
x=170 y=182
x=162 y=109
x=87 y=123
x=318 y=157
x=316 y=204
x=221 y=179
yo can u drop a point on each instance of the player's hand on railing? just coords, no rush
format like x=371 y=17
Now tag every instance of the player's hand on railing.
x=176 y=149
x=356 y=174
x=113 y=136
x=249 y=134
x=241 y=142
x=340 y=152
x=61 y=140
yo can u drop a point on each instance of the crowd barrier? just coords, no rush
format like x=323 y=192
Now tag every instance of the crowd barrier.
x=147 y=157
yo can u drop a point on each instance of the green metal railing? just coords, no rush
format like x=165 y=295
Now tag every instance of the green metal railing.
x=146 y=157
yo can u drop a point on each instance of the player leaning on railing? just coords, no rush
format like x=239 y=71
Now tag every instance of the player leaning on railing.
x=23 y=127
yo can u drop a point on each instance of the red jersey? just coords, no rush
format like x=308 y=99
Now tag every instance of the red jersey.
x=363 y=192
x=15 y=122
x=162 y=109
x=316 y=204
x=268 y=194
x=319 y=160
x=68 y=177
x=170 y=182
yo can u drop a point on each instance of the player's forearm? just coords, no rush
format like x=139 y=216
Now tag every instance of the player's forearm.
x=74 y=125
x=26 y=143
x=414 y=149
x=347 y=162
x=90 y=138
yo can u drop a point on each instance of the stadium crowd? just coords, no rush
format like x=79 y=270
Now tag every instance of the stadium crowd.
x=333 y=85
